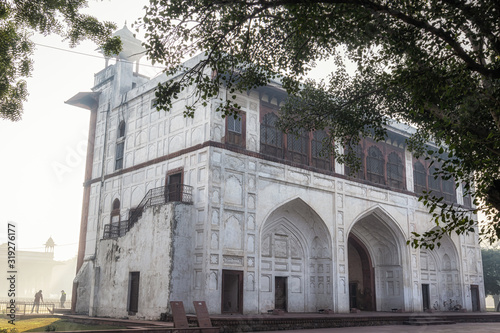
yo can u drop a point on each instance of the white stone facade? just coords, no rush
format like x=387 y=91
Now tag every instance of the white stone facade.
x=261 y=232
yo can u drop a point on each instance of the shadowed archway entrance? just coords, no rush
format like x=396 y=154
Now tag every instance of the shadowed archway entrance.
x=376 y=274
x=361 y=276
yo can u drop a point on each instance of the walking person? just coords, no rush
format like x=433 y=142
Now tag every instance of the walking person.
x=63 y=298
x=38 y=297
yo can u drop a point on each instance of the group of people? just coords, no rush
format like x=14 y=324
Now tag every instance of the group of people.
x=39 y=297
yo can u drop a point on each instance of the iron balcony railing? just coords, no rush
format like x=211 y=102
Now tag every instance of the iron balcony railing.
x=154 y=197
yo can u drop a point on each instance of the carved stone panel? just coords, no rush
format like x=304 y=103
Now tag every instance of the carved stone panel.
x=281 y=246
x=214 y=241
x=265 y=283
x=213 y=280
x=215 y=216
x=251 y=243
x=233 y=191
x=233 y=232
x=251 y=222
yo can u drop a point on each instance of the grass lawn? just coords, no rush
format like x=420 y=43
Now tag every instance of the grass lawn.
x=39 y=325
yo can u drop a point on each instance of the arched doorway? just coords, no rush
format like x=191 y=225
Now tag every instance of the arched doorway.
x=376 y=274
x=295 y=260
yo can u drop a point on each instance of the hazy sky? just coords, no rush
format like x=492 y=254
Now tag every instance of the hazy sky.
x=43 y=155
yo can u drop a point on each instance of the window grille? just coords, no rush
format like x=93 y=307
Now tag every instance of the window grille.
x=375 y=165
x=434 y=182
x=449 y=190
x=320 y=158
x=271 y=139
x=395 y=171
x=419 y=178
x=297 y=147
x=360 y=173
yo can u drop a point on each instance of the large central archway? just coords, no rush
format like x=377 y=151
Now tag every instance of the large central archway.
x=376 y=274
x=296 y=260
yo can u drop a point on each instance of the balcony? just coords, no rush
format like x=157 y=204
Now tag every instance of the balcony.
x=154 y=197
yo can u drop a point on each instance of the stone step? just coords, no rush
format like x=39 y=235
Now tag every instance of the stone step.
x=421 y=321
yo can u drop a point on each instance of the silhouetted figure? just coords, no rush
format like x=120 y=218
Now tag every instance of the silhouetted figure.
x=63 y=298
x=36 y=303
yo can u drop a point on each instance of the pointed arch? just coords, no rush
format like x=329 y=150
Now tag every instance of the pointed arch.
x=384 y=243
x=384 y=217
x=294 y=202
x=296 y=246
x=443 y=279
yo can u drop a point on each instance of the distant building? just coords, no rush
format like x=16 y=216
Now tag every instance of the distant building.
x=238 y=214
x=39 y=271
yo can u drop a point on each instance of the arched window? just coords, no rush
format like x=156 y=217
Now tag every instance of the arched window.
x=375 y=166
x=297 y=147
x=419 y=178
x=320 y=158
x=116 y=205
x=115 y=219
x=395 y=171
x=360 y=173
x=120 y=146
x=271 y=138
x=121 y=129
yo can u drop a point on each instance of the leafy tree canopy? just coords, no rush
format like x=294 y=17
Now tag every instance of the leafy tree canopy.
x=431 y=64
x=19 y=19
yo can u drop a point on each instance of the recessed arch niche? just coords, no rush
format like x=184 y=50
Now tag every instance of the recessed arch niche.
x=439 y=270
x=295 y=249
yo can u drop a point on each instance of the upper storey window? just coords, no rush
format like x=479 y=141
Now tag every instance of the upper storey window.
x=381 y=163
x=297 y=147
x=360 y=173
x=320 y=158
x=428 y=179
x=121 y=129
x=419 y=178
x=303 y=148
x=448 y=189
x=235 y=129
x=375 y=166
x=467 y=197
x=120 y=146
x=395 y=176
x=434 y=181
x=271 y=138
x=115 y=213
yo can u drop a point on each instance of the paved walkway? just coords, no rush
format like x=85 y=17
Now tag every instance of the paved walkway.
x=453 y=328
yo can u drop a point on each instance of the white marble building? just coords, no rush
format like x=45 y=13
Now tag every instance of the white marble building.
x=240 y=215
